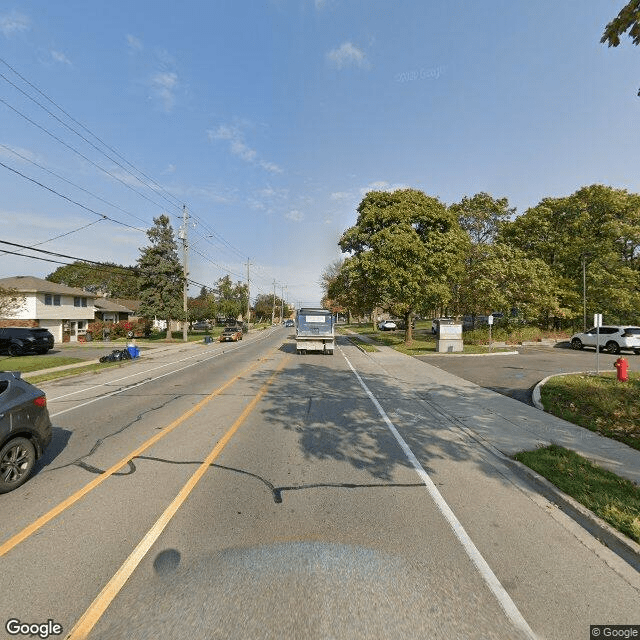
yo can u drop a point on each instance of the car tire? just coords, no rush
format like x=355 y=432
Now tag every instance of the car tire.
x=15 y=350
x=43 y=351
x=17 y=459
x=576 y=344
x=612 y=347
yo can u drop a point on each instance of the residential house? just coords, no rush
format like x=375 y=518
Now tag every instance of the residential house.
x=109 y=311
x=65 y=311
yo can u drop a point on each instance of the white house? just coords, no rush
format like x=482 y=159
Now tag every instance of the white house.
x=56 y=307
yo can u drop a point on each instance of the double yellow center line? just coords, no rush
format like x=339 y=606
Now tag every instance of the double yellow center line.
x=29 y=530
x=93 y=614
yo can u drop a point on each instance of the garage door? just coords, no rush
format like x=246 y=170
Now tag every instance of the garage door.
x=55 y=326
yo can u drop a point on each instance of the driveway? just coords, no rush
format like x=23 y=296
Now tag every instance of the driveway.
x=516 y=375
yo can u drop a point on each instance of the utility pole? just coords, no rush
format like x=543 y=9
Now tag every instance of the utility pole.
x=281 y=303
x=248 y=295
x=185 y=286
x=273 y=307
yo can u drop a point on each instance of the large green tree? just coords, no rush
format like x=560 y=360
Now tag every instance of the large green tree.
x=405 y=249
x=481 y=216
x=594 y=233
x=10 y=302
x=117 y=281
x=161 y=275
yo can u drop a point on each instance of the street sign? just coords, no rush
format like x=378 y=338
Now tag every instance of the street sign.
x=597 y=319
x=490 y=319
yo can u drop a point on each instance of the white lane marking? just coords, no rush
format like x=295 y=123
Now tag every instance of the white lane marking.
x=139 y=384
x=504 y=599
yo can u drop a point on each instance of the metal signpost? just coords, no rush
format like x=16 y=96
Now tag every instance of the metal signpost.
x=490 y=321
x=597 y=323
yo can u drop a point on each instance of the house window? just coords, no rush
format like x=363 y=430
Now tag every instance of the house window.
x=79 y=302
x=80 y=324
x=50 y=299
x=56 y=301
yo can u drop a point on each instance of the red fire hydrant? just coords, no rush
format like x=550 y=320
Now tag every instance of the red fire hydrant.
x=622 y=365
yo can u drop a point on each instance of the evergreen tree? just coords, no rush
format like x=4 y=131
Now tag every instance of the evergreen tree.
x=161 y=275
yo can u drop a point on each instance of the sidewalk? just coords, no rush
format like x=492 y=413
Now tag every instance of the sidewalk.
x=506 y=426
x=147 y=352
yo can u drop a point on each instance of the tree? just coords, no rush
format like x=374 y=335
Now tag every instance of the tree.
x=481 y=215
x=405 y=252
x=627 y=20
x=595 y=232
x=161 y=275
x=232 y=298
x=10 y=302
x=117 y=281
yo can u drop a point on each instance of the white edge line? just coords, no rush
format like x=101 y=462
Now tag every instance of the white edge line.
x=139 y=384
x=504 y=599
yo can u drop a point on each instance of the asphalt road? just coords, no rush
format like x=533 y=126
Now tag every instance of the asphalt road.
x=516 y=375
x=244 y=491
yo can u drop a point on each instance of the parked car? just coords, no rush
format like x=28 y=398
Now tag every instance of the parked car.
x=611 y=338
x=387 y=325
x=17 y=341
x=201 y=326
x=289 y=323
x=231 y=334
x=25 y=429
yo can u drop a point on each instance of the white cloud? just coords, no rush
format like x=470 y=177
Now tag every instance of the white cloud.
x=239 y=148
x=171 y=168
x=164 y=85
x=382 y=185
x=14 y=22
x=347 y=55
x=58 y=56
x=294 y=215
x=340 y=195
x=134 y=43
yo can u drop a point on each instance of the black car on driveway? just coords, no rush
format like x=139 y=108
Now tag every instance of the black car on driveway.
x=25 y=429
x=17 y=341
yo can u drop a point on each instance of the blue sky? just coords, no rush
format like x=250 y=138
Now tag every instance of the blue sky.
x=270 y=120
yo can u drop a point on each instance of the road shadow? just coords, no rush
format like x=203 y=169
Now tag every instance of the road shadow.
x=334 y=419
x=60 y=439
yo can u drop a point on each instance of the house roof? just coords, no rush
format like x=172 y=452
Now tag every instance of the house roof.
x=31 y=284
x=132 y=305
x=105 y=304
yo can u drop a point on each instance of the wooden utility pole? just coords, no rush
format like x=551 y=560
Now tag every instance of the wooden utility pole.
x=185 y=285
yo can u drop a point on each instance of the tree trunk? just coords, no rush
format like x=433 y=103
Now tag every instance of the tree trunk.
x=169 y=337
x=408 y=332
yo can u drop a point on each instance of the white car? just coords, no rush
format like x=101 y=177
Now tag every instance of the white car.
x=387 y=325
x=611 y=338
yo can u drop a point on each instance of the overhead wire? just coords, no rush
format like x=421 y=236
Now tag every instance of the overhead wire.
x=159 y=190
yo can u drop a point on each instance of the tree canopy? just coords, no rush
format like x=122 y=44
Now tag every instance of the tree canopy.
x=115 y=280
x=404 y=252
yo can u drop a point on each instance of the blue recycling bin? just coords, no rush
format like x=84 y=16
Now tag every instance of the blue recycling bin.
x=208 y=339
x=134 y=352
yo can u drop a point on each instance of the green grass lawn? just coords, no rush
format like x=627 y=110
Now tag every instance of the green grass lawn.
x=35 y=363
x=423 y=343
x=616 y=500
x=599 y=403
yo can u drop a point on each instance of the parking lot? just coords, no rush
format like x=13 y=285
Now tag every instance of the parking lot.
x=516 y=375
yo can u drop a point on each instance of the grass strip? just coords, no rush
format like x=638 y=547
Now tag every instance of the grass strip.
x=90 y=368
x=614 y=499
x=35 y=363
x=598 y=403
x=362 y=345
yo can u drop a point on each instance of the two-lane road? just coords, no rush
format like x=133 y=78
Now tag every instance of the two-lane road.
x=258 y=493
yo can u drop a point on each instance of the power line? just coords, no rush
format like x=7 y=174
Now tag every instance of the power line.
x=73 y=184
x=44 y=186
x=82 y=126
x=68 y=146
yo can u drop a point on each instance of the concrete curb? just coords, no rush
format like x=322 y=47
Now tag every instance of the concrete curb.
x=623 y=547
x=536 y=395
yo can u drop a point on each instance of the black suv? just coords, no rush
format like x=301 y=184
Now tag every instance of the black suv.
x=17 y=341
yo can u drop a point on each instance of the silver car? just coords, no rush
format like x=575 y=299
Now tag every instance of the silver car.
x=611 y=338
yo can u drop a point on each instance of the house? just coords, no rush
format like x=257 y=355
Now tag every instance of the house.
x=109 y=311
x=65 y=311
